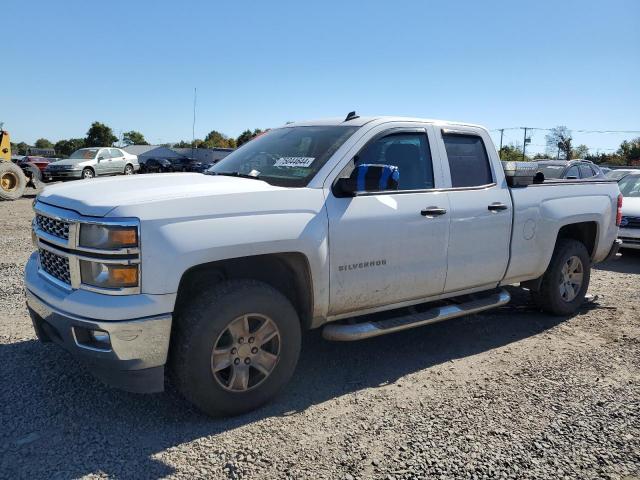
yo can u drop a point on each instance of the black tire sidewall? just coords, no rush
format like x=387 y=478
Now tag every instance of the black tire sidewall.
x=208 y=316
x=21 y=181
x=549 y=295
x=88 y=170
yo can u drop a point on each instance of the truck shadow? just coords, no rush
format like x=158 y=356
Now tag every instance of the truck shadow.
x=627 y=262
x=56 y=418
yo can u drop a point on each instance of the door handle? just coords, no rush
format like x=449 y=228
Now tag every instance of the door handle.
x=433 y=211
x=497 y=206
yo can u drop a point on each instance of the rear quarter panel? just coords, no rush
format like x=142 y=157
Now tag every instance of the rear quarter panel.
x=540 y=211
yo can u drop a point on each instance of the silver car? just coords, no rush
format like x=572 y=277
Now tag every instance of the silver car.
x=92 y=162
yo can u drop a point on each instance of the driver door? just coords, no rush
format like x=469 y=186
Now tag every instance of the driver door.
x=389 y=247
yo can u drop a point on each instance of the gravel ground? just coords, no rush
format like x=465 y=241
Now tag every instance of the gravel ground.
x=508 y=394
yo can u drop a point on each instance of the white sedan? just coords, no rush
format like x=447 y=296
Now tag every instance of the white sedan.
x=93 y=162
x=629 y=231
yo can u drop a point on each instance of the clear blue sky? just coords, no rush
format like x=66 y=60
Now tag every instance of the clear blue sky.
x=134 y=64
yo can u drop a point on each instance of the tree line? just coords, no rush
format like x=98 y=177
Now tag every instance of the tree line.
x=101 y=135
x=559 y=145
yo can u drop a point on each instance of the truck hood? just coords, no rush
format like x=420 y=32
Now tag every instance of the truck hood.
x=631 y=206
x=97 y=197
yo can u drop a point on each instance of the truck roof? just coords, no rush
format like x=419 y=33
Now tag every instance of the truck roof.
x=360 y=121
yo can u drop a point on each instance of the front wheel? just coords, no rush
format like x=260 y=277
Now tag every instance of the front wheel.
x=88 y=173
x=566 y=280
x=235 y=347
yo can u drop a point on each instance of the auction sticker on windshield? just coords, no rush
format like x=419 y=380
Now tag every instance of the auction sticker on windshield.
x=294 y=162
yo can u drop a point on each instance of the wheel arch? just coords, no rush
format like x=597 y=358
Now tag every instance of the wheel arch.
x=287 y=272
x=585 y=232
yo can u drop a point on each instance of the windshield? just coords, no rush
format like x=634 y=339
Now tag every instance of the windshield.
x=85 y=153
x=551 y=171
x=288 y=156
x=630 y=186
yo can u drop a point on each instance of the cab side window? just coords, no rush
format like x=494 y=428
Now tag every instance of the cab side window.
x=409 y=152
x=115 y=153
x=468 y=160
x=104 y=153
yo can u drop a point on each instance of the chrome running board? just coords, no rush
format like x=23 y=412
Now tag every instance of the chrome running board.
x=358 y=331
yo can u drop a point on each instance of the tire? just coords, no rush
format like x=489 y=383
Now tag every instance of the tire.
x=552 y=297
x=88 y=173
x=128 y=169
x=12 y=181
x=203 y=323
x=34 y=176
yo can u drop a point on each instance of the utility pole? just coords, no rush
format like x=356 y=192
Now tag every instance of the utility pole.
x=501 y=130
x=193 y=128
x=524 y=143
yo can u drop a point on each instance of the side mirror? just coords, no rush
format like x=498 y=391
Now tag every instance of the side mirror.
x=368 y=178
x=100 y=158
x=572 y=177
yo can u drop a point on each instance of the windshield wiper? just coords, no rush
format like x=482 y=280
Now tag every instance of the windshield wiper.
x=236 y=174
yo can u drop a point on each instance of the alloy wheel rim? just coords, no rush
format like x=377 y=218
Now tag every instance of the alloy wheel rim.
x=571 y=278
x=128 y=171
x=246 y=352
x=9 y=181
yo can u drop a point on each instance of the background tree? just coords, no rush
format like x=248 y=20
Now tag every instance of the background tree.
x=581 y=151
x=67 y=147
x=20 y=148
x=512 y=153
x=559 y=142
x=215 y=139
x=43 y=143
x=247 y=135
x=182 y=144
x=99 y=135
x=133 y=138
x=630 y=151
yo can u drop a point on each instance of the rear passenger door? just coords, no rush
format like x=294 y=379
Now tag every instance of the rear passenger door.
x=480 y=228
x=117 y=160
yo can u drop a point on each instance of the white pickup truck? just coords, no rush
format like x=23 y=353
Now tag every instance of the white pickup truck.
x=340 y=224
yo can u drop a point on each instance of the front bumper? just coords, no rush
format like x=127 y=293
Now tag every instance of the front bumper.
x=630 y=237
x=139 y=329
x=135 y=359
x=62 y=174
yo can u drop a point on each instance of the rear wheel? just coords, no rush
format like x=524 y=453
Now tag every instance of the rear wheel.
x=235 y=347
x=12 y=181
x=128 y=169
x=88 y=173
x=566 y=280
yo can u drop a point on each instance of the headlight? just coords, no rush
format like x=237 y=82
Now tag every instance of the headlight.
x=108 y=237
x=108 y=275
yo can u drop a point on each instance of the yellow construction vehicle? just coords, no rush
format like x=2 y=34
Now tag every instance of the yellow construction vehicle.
x=14 y=179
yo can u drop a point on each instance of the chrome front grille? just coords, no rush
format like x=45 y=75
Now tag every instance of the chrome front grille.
x=55 y=265
x=57 y=228
x=630 y=222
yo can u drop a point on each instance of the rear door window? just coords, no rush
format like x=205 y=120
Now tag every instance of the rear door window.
x=115 y=153
x=586 y=171
x=573 y=172
x=468 y=160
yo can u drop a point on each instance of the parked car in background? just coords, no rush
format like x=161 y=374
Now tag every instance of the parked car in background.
x=569 y=170
x=182 y=164
x=629 y=231
x=620 y=173
x=155 y=165
x=201 y=167
x=93 y=162
x=40 y=163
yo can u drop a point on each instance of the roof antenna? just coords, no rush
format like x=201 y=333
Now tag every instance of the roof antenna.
x=351 y=116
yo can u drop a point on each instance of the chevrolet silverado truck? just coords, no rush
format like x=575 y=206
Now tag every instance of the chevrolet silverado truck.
x=360 y=226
